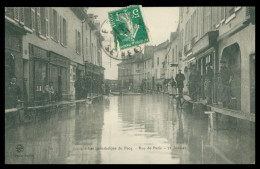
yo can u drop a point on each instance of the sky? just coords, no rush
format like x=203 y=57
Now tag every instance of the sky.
x=160 y=21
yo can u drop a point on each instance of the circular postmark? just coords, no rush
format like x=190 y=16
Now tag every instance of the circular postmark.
x=111 y=47
x=19 y=148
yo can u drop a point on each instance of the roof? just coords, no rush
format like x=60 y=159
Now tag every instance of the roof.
x=163 y=45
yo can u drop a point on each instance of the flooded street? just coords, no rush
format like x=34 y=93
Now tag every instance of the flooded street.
x=130 y=129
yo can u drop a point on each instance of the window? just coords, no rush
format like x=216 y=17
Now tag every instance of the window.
x=43 y=21
x=157 y=61
x=47 y=21
x=78 y=42
x=172 y=55
x=38 y=12
x=55 y=25
x=61 y=30
x=21 y=15
x=64 y=32
x=27 y=17
x=33 y=18
x=86 y=46
x=16 y=13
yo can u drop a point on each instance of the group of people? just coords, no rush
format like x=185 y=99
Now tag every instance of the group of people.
x=84 y=86
x=195 y=85
x=177 y=84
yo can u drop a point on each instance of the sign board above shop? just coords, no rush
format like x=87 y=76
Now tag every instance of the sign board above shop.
x=59 y=60
x=37 y=52
x=207 y=41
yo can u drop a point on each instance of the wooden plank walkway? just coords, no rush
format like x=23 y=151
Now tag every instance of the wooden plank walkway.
x=228 y=112
x=51 y=105
x=233 y=113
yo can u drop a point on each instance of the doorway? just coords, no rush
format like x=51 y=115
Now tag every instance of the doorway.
x=232 y=56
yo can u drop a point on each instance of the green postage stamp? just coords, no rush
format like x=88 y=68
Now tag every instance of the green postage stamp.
x=128 y=27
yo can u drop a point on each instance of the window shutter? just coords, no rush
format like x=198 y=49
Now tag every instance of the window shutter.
x=51 y=22
x=61 y=30
x=76 y=38
x=65 y=26
x=38 y=20
x=33 y=18
x=58 y=27
x=16 y=13
x=47 y=21
x=22 y=15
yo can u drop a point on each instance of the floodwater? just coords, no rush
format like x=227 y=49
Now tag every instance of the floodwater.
x=140 y=129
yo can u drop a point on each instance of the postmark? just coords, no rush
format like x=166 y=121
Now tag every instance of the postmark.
x=110 y=44
x=128 y=27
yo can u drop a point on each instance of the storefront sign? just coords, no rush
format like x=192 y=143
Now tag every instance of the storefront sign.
x=208 y=40
x=38 y=52
x=59 y=60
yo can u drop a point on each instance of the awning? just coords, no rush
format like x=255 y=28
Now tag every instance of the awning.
x=205 y=53
x=80 y=67
x=189 y=56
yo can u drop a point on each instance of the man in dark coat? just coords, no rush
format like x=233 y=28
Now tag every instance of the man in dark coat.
x=179 y=79
x=208 y=83
x=193 y=83
x=13 y=94
x=226 y=78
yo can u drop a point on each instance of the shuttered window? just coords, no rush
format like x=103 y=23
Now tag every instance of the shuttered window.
x=43 y=21
x=64 y=32
x=27 y=17
x=47 y=21
x=33 y=18
x=78 y=42
x=16 y=13
x=55 y=25
x=21 y=15
x=38 y=11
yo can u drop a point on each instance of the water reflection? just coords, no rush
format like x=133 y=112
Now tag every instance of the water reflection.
x=122 y=132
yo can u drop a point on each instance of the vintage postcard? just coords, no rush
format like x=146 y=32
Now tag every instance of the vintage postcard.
x=130 y=85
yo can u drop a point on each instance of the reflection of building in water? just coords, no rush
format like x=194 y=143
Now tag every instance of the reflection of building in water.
x=88 y=130
x=47 y=141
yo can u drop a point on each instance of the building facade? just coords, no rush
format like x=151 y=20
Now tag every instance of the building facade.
x=48 y=47
x=211 y=34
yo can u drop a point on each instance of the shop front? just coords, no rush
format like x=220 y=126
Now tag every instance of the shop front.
x=38 y=73
x=204 y=53
x=13 y=56
x=59 y=75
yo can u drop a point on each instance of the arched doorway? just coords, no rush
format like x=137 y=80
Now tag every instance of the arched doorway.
x=232 y=56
